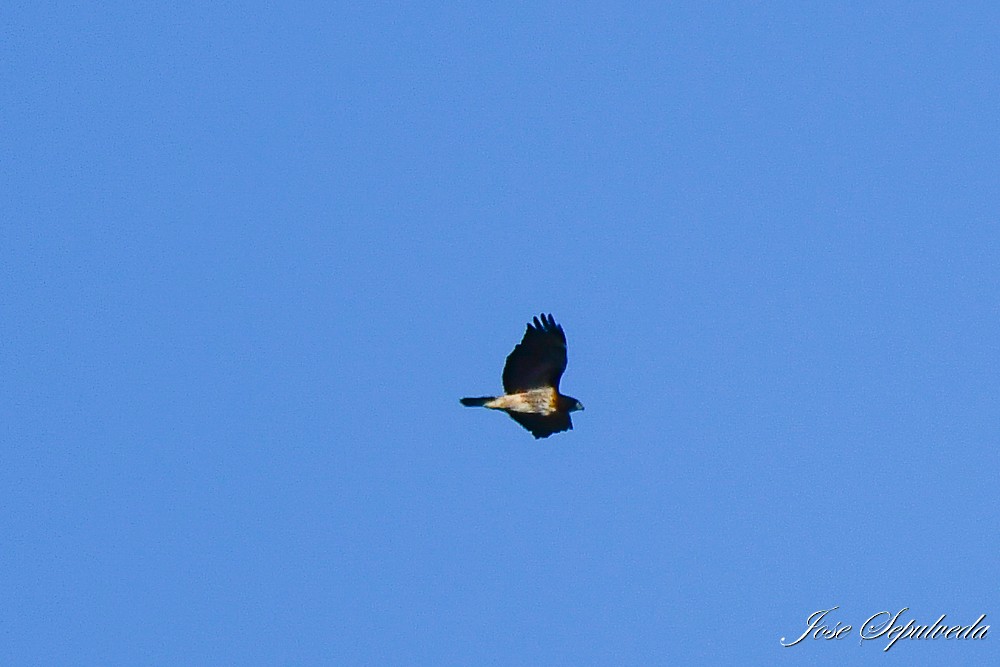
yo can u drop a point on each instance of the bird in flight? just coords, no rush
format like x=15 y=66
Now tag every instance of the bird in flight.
x=531 y=382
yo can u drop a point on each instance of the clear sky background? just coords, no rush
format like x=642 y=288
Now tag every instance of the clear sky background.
x=252 y=254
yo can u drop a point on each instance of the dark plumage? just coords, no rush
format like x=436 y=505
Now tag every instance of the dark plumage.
x=531 y=382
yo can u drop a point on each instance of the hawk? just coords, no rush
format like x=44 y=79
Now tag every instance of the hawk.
x=531 y=382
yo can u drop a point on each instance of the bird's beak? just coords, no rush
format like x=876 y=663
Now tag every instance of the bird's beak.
x=579 y=405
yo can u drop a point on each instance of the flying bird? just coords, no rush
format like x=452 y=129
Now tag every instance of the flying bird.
x=531 y=382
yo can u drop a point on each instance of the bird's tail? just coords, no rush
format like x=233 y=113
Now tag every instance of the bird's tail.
x=476 y=402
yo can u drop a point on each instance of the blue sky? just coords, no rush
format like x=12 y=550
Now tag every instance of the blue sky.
x=253 y=254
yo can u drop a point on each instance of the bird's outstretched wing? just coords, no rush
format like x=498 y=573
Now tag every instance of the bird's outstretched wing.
x=542 y=426
x=538 y=360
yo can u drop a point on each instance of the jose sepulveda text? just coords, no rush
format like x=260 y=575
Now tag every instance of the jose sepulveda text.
x=888 y=627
